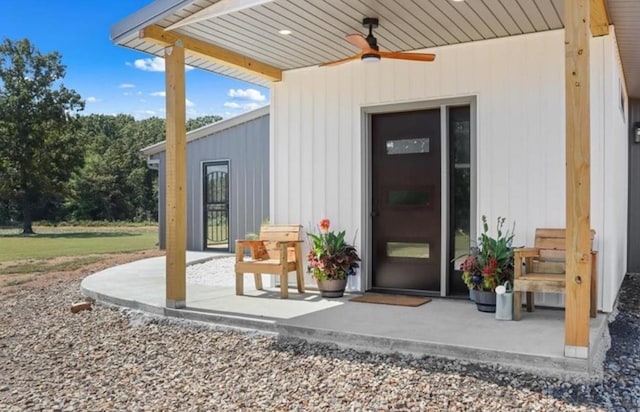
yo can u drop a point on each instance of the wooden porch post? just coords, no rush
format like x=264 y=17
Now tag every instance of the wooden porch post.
x=176 y=176
x=578 y=246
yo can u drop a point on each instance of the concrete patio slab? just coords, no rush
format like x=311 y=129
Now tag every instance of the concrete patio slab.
x=444 y=327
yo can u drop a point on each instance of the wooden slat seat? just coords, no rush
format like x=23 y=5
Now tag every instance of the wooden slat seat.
x=544 y=269
x=277 y=251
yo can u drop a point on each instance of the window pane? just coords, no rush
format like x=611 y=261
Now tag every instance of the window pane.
x=459 y=192
x=459 y=134
x=408 y=197
x=408 y=146
x=408 y=250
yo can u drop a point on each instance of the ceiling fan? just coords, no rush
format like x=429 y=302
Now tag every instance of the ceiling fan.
x=370 y=51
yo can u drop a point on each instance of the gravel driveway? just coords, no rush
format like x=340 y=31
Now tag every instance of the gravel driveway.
x=109 y=359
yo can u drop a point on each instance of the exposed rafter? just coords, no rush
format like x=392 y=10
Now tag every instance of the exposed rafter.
x=209 y=51
x=599 y=18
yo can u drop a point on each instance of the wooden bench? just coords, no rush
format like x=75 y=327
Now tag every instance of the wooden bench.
x=277 y=251
x=545 y=268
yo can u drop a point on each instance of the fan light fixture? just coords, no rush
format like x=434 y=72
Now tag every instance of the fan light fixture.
x=370 y=58
x=369 y=51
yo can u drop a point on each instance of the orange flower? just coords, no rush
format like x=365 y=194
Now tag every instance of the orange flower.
x=324 y=225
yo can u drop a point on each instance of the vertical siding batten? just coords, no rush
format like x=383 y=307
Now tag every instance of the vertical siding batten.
x=598 y=149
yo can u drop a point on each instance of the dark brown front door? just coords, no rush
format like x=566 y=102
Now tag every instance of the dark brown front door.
x=406 y=175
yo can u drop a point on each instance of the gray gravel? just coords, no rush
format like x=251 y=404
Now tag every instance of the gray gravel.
x=109 y=359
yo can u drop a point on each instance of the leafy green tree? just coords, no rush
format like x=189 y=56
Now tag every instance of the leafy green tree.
x=38 y=149
x=202 y=121
x=115 y=183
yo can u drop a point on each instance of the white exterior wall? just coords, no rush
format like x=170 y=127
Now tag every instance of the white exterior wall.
x=316 y=131
x=613 y=199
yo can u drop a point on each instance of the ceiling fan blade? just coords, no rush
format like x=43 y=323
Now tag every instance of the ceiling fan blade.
x=345 y=60
x=358 y=40
x=422 y=57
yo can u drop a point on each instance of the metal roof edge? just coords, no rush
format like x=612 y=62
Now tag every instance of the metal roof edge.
x=210 y=129
x=144 y=17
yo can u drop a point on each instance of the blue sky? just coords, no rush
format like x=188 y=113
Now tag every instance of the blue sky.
x=112 y=79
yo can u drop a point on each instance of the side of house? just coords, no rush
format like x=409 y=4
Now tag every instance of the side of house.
x=227 y=181
x=494 y=127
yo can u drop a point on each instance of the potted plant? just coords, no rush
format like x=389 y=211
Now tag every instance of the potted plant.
x=331 y=260
x=489 y=264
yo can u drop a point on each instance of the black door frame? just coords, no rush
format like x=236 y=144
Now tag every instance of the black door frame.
x=205 y=211
x=366 y=180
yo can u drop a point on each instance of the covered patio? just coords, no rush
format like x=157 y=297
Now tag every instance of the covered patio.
x=450 y=328
x=250 y=40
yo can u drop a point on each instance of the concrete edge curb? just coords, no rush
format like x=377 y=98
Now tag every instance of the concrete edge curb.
x=571 y=369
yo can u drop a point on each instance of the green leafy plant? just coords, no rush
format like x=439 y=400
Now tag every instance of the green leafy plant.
x=330 y=257
x=490 y=262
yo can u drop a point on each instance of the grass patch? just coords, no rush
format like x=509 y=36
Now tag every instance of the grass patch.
x=49 y=242
x=39 y=266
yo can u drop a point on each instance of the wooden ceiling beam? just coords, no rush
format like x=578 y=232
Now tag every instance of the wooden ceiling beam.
x=158 y=35
x=599 y=18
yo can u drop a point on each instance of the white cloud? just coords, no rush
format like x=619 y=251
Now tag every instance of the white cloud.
x=154 y=64
x=143 y=101
x=244 y=107
x=247 y=94
x=126 y=86
x=189 y=103
x=92 y=99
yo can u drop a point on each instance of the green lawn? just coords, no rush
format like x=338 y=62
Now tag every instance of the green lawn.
x=49 y=242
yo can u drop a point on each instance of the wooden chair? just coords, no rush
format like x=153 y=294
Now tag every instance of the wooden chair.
x=545 y=269
x=277 y=251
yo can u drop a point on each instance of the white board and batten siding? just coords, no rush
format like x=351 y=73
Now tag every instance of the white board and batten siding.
x=518 y=82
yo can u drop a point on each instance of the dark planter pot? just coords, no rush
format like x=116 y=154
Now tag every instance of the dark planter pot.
x=486 y=301
x=332 y=288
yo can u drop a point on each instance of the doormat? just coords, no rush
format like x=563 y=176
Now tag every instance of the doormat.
x=385 y=299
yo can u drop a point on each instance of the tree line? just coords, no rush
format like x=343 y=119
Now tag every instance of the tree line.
x=57 y=165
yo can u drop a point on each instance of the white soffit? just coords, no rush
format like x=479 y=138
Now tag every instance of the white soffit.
x=625 y=16
x=318 y=27
x=220 y=8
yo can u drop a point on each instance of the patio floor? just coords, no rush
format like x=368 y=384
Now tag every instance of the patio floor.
x=444 y=327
